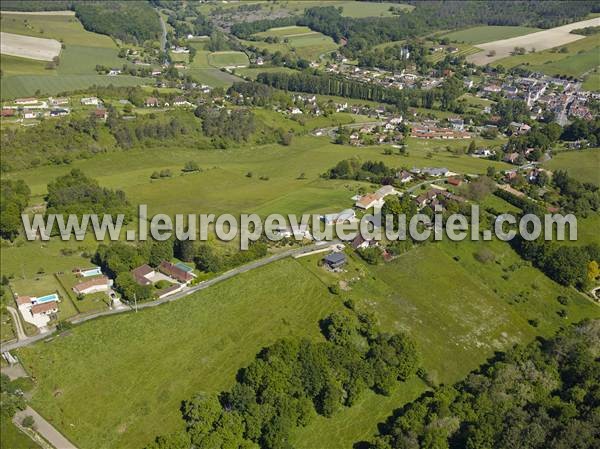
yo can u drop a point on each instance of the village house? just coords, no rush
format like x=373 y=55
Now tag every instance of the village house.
x=457 y=124
x=435 y=172
x=60 y=101
x=143 y=274
x=29 y=100
x=95 y=285
x=403 y=176
x=181 y=101
x=90 y=101
x=101 y=114
x=59 y=112
x=335 y=260
x=347 y=215
x=370 y=200
x=151 y=102
x=38 y=310
x=7 y=112
x=176 y=272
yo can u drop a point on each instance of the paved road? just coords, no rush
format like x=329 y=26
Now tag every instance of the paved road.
x=163 y=36
x=188 y=291
x=21 y=335
x=45 y=429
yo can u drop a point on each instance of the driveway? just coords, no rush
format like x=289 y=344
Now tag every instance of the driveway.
x=18 y=325
x=44 y=428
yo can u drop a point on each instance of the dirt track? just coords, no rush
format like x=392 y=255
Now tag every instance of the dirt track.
x=541 y=40
x=29 y=47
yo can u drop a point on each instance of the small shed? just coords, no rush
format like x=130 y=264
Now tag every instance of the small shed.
x=335 y=260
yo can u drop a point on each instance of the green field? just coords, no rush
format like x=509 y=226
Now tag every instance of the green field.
x=483 y=34
x=26 y=85
x=203 y=72
x=301 y=41
x=145 y=364
x=458 y=310
x=253 y=72
x=228 y=59
x=581 y=164
x=76 y=70
x=463 y=50
x=581 y=56
x=592 y=81
x=351 y=8
x=66 y=29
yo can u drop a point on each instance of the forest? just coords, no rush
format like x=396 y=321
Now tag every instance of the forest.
x=542 y=395
x=14 y=197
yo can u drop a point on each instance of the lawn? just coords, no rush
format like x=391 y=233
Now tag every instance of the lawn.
x=228 y=59
x=45 y=284
x=145 y=364
x=581 y=164
x=482 y=34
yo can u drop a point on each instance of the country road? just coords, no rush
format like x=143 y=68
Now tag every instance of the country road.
x=21 y=335
x=188 y=291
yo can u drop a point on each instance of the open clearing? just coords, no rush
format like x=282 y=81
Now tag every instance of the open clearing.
x=29 y=47
x=541 y=40
x=40 y=13
x=482 y=34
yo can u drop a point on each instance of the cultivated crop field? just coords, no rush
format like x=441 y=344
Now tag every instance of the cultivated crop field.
x=29 y=47
x=538 y=41
x=482 y=34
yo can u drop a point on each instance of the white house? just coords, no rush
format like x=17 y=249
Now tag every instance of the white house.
x=90 y=101
x=95 y=285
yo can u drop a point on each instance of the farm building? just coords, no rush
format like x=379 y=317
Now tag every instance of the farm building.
x=176 y=272
x=335 y=260
x=143 y=274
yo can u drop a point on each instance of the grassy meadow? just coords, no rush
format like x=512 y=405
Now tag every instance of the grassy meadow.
x=581 y=164
x=145 y=364
x=228 y=58
x=458 y=310
x=483 y=34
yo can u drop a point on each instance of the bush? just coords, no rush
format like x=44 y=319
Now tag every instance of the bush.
x=485 y=255
x=28 y=422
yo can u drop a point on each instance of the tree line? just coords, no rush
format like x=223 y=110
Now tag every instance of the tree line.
x=294 y=380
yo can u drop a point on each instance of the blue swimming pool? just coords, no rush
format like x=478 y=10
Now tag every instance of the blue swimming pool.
x=47 y=298
x=91 y=272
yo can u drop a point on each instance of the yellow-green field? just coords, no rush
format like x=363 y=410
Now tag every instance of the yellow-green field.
x=489 y=33
x=580 y=56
